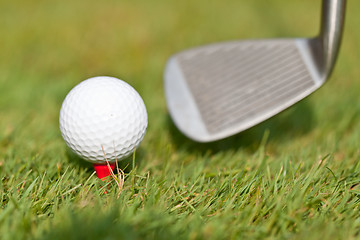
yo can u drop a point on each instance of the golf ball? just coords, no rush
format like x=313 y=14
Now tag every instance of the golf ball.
x=103 y=119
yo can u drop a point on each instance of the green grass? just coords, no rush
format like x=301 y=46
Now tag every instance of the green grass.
x=296 y=176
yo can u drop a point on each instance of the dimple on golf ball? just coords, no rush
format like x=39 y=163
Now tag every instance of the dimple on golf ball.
x=103 y=119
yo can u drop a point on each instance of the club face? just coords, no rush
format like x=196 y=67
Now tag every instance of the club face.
x=219 y=90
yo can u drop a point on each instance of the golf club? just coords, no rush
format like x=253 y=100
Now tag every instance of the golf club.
x=218 y=90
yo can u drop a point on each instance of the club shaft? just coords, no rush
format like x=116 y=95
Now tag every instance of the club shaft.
x=332 y=23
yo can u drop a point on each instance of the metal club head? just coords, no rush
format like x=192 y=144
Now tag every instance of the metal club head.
x=218 y=90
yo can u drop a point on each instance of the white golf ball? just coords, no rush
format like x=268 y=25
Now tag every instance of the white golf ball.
x=103 y=118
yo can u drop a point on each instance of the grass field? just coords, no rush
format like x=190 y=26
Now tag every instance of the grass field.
x=296 y=176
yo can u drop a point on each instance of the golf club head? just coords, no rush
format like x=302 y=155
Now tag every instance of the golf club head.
x=218 y=90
